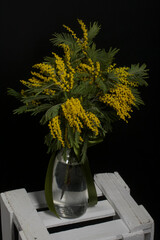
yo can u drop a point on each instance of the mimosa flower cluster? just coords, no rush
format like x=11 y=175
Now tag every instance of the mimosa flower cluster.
x=77 y=117
x=82 y=91
x=121 y=99
x=82 y=42
x=62 y=74
x=54 y=125
x=122 y=73
x=91 y=68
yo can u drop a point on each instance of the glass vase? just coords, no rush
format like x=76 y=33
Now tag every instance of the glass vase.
x=69 y=186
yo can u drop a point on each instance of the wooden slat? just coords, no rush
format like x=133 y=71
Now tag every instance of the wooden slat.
x=139 y=235
x=112 y=230
x=150 y=228
x=6 y=218
x=38 y=199
x=121 y=181
x=146 y=222
x=26 y=216
x=143 y=219
x=101 y=210
x=114 y=196
x=22 y=236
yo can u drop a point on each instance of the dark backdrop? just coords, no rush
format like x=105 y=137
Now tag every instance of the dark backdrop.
x=132 y=149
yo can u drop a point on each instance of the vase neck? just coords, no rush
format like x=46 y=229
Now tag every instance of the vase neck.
x=67 y=155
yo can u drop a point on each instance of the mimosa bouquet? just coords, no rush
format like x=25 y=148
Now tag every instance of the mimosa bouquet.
x=80 y=93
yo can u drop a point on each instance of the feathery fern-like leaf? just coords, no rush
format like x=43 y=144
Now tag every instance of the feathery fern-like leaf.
x=139 y=73
x=13 y=93
x=93 y=30
x=59 y=38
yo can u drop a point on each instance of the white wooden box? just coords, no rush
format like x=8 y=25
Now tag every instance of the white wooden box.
x=24 y=216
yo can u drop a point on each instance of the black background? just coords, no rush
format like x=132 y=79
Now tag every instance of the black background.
x=131 y=149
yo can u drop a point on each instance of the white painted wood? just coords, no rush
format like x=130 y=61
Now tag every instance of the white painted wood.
x=108 y=230
x=111 y=238
x=146 y=222
x=121 y=181
x=135 y=223
x=22 y=236
x=99 y=192
x=38 y=199
x=114 y=196
x=26 y=216
x=143 y=219
x=150 y=227
x=139 y=235
x=6 y=218
x=101 y=210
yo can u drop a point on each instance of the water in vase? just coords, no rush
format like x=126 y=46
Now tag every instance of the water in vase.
x=69 y=188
